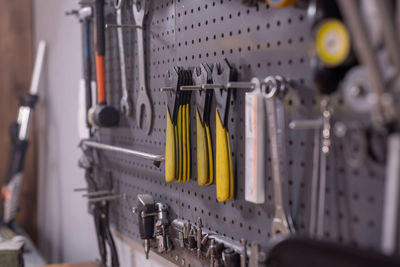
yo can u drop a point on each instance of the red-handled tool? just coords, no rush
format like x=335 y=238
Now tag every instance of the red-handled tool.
x=101 y=115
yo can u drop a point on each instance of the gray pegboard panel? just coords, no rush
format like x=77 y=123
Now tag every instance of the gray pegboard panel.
x=259 y=41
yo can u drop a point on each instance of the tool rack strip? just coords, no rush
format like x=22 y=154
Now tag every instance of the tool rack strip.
x=259 y=41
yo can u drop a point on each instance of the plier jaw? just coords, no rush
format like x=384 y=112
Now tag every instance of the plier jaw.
x=222 y=74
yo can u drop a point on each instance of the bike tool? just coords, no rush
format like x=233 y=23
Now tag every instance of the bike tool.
x=222 y=74
x=205 y=161
x=332 y=57
x=19 y=134
x=102 y=115
x=140 y=10
x=171 y=143
x=184 y=125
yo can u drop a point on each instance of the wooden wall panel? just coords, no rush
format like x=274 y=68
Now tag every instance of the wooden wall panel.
x=16 y=62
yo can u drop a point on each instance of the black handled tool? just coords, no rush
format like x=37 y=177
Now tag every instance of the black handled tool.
x=19 y=132
x=146 y=210
x=102 y=115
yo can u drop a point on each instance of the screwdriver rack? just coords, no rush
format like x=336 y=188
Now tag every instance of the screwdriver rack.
x=259 y=42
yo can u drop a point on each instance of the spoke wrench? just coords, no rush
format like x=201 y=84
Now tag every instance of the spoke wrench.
x=139 y=12
x=273 y=91
x=125 y=104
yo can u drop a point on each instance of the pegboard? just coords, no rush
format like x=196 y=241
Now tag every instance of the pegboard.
x=259 y=41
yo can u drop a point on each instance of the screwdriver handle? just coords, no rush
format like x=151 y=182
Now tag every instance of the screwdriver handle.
x=179 y=144
x=184 y=144
x=210 y=155
x=170 y=151
x=99 y=38
x=222 y=173
x=187 y=143
x=202 y=152
x=230 y=162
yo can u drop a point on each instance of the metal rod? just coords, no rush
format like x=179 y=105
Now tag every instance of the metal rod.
x=305 y=124
x=124 y=26
x=107 y=198
x=241 y=85
x=97 y=193
x=390 y=35
x=391 y=196
x=166 y=89
x=37 y=69
x=192 y=87
x=213 y=86
x=80 y=189
x=364 y=51
x=135 y=153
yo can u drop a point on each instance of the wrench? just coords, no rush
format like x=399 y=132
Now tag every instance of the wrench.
x=125 y=104
x=139 y=13
x=274 y=108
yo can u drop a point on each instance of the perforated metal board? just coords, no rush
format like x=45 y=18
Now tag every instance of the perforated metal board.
x=259 y=41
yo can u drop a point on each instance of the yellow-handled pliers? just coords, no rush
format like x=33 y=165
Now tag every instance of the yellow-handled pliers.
x=171 y=142
x=205 y=161
x=222 y=74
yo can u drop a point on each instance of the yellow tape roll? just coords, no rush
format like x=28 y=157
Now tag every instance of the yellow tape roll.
x=332 y=42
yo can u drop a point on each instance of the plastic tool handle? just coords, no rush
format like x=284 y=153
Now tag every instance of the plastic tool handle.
x=202 y=152
x=87 y=67
x=222 y=174
x=187 y=143
x=37 y=69
x=210 y=156
x=184 y=144
x=99 y=38
x=170 y=151
x=179 y=144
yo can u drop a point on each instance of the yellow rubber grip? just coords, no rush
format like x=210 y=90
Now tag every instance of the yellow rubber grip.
x=187 y=143
x=180 y=145
x=222 y=171
x=184 y=145
x=170 y=153
x=210 y=156
x=231 y=178
x=202 y=154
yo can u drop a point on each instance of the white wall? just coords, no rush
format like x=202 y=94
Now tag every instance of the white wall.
x=66 y=231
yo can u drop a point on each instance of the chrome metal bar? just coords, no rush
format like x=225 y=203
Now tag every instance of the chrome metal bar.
x=135 y=153
x=123 y=26
x=305 y=124
x=80 y=189
x=107 y=198
x=166 y=89
x=191 y=87
x=97 y=193
x=241 y=85
x=391 y=196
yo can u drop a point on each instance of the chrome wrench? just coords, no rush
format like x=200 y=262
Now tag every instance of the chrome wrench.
x=272 y=90
x=125 y=104
x=139 y=12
